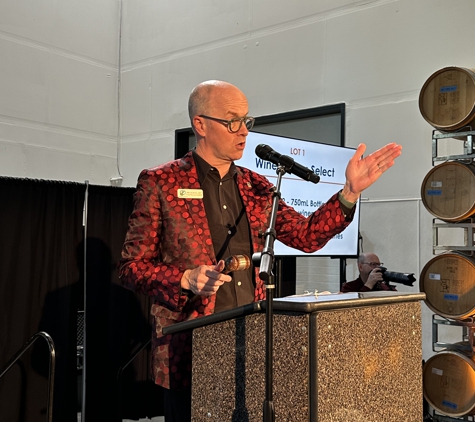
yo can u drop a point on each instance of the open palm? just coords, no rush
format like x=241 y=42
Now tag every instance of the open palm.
x=361 y=172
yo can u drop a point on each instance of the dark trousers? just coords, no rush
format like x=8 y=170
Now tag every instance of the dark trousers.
x=177 y=405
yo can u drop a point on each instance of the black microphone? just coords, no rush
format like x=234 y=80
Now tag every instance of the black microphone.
x=267 y=153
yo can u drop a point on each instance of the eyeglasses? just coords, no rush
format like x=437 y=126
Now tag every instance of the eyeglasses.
x=234 y=124
x=374 y=264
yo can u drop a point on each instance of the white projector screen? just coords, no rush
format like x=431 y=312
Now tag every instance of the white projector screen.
x=327 y=161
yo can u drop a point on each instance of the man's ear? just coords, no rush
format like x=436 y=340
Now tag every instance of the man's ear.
x=200 y=125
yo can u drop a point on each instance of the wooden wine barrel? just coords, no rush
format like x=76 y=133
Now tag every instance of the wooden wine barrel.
x=447 y=99
x=449 y=383
x=448 y=191
x=448 y=280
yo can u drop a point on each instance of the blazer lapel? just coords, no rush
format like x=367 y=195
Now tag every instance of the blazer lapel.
x=187 y=178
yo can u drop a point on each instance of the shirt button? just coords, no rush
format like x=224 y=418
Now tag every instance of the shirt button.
x=225 y=207
x=239 y=283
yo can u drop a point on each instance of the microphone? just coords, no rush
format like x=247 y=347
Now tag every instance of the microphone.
x=267 y=153
x=236 y=263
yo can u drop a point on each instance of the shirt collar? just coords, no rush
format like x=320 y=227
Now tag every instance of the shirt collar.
x=203 y=168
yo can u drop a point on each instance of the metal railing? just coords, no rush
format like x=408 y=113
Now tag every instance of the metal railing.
x=52 y=363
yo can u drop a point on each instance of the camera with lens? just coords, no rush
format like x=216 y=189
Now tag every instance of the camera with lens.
x=402 y=278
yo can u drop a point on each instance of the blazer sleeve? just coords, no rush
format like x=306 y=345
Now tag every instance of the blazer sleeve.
x=141 y=267
x=309 y=234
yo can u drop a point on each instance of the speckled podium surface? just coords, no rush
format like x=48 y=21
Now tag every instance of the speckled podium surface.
x=356 y=358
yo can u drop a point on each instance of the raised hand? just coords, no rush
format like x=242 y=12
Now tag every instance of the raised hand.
x=362 y=172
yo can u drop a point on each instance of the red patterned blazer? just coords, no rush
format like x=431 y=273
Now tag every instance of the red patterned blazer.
x=168 y=235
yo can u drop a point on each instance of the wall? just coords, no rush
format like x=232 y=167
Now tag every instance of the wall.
x=58 y=89
x=61 y=113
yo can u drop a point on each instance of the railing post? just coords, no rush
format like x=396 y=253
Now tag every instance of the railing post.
x=52 y=365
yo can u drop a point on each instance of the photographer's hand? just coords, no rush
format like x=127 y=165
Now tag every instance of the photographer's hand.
x=374 y=277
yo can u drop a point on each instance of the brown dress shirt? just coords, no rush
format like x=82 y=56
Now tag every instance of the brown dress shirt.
x=229 y=230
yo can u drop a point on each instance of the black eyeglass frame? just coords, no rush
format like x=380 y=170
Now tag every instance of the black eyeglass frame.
x=247 y=120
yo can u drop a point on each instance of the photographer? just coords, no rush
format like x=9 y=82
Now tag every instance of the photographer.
x=370 y=278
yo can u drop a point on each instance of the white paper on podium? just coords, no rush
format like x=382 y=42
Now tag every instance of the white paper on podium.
x=318 y=297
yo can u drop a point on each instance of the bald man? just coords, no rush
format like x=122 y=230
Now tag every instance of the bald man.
x=191 y=213
x=370 y=277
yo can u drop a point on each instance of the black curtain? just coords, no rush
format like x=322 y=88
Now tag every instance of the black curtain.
x=45 y=238
x=117 y=320
x=41 y=227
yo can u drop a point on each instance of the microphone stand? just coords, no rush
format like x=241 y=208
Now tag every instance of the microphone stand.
x=266 y=262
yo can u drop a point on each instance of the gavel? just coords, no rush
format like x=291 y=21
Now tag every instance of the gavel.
x=232 y=263
x=236 y=263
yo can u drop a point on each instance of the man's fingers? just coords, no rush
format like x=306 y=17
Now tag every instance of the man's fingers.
x=206 y=280
x=219 y=267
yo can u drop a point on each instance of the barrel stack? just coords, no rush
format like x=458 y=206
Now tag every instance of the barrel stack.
x=447 y=103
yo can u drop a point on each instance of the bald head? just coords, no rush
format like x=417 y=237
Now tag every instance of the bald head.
x=214 y=106
x=205 y=97
x=367 y=257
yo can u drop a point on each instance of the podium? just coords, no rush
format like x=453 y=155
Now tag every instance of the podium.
x=337 y=358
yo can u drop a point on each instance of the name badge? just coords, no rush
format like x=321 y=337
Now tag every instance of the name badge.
x=190 y=193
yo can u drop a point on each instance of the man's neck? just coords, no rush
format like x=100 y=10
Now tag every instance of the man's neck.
x=221 y=165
